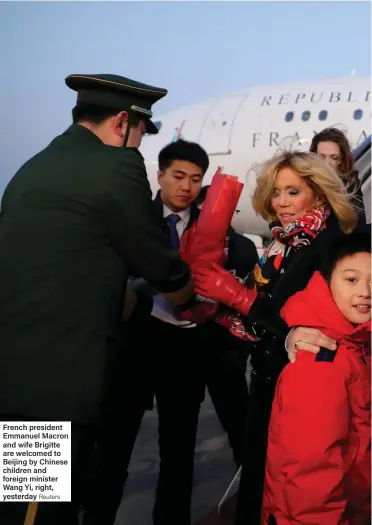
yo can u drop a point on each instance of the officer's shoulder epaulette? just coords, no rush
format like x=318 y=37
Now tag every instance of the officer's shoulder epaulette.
x=326 y=355
x=137 y=151
x=128 y=157
x=132 y=153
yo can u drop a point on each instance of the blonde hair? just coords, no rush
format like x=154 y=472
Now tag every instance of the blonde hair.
x=320 y=177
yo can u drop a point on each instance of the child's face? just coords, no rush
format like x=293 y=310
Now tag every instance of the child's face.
x=351 y=287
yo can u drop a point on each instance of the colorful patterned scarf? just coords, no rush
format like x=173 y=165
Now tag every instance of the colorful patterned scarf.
x=296 y=235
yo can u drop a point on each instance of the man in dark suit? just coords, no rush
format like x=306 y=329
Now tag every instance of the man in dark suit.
x=178 y=362
x=75 y=220
x=187 y=357
x=174 y=360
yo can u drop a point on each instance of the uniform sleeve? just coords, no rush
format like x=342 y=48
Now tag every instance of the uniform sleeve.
x=311 y=417
x=136 y=231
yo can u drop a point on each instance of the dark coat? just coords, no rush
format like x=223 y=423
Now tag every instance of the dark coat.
x=75 y=221
x=268 y=358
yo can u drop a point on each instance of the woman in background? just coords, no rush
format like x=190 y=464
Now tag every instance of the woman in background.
x=332 y=145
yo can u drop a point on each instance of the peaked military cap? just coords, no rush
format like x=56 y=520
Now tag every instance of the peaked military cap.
x=117 y=92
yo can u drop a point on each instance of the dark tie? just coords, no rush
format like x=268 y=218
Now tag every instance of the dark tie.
x=172 y=220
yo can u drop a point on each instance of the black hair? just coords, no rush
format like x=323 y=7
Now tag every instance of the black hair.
x=202 y=195
x=357 y=242
x=96 y=114
x=183 y=150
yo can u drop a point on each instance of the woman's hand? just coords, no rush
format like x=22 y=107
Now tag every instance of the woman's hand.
x=310 y=339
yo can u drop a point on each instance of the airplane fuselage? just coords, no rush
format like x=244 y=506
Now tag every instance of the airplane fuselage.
x=242 y=129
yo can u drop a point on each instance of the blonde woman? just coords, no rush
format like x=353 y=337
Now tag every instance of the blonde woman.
x=306 y=204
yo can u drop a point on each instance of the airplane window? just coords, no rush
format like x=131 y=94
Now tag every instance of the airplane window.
x=306 y=116
x=289 y=116
x=323 y=115
x=358 y=114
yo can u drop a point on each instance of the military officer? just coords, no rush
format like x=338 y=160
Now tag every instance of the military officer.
x=76 y=219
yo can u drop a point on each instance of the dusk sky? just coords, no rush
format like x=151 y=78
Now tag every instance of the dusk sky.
x=194 y=49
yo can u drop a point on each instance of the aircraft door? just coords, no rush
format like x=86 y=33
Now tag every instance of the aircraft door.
x=215 y=135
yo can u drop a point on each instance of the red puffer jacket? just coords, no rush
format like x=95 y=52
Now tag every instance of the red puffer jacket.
x=318 y=468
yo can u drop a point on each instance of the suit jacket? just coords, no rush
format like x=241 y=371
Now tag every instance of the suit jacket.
x=158 y=209
x=75 y=220
x=242 y=252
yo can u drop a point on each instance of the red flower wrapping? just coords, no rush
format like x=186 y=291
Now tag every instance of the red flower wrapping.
x=204 y=243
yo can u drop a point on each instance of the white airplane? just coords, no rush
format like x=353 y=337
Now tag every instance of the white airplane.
x=242 y=129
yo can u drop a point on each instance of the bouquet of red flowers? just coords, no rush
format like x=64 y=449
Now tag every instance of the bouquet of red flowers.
x=204 y=243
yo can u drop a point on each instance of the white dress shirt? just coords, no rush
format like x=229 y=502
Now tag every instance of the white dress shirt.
x=185 y=217
x=162 y=309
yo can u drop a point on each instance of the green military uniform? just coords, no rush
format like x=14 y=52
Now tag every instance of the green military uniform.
x=76 y=219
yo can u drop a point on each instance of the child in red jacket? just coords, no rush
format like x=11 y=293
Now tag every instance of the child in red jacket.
x=318 y=468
